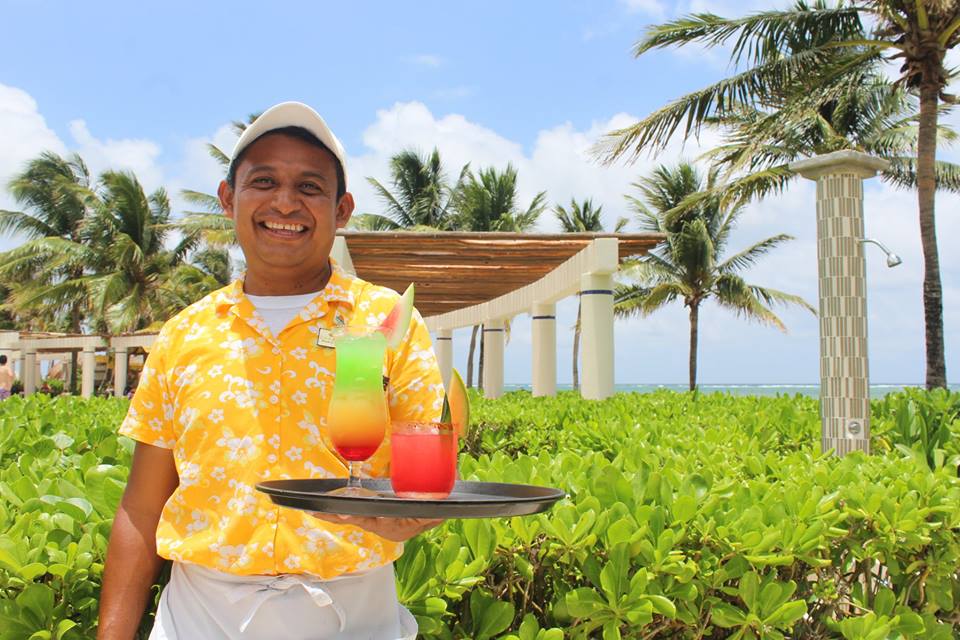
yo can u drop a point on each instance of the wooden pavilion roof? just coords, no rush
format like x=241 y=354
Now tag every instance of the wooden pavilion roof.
x=453 y=270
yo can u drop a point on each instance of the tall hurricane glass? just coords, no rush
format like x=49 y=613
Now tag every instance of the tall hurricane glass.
x=357 y=417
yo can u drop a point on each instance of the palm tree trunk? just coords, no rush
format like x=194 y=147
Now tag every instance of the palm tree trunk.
x=694 y=328
x=576 y=349
x=473 y=346
x=926 y=191
x=76 y=310
x=483 y=338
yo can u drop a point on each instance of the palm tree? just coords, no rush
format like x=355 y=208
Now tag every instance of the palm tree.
x=420 y=198
x=580 y=218
x=133 y=284
x=56 y=196
x=488 y=201
x=689 y=266
x=821 y=47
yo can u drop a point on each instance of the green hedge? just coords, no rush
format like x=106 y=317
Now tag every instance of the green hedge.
x=688 y=517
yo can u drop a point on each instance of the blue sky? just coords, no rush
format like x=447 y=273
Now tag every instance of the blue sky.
x=144 y=86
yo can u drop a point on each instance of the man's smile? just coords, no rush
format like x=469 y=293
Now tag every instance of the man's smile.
x=283 y=229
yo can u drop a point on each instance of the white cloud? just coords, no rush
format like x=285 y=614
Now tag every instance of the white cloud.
x=25 y=135
x=427 y=60
x=136 y=155
x=650 y=7
x=198 y=170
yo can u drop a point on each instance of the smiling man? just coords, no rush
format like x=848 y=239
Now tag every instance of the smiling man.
x=234 y=392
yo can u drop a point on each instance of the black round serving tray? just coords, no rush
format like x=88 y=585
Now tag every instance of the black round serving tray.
x=468 y=499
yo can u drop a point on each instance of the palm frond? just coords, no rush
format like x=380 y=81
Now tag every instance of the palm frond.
x=638 y=300
x=902 y=173
x=761 y=36
x=209 y=203
x=748 y=257
x=18 y=222
x=372 y=222
x=656 y=130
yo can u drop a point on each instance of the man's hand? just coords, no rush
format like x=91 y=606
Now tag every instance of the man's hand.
x=395 y=529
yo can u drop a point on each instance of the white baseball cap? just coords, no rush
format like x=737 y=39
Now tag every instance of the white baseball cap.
x=292 y=114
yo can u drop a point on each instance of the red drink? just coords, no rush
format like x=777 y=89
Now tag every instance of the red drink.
x=423 y=460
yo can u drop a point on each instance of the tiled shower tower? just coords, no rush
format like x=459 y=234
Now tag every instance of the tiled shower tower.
x=844 y=371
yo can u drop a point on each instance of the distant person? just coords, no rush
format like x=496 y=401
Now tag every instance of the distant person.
x=6 y=378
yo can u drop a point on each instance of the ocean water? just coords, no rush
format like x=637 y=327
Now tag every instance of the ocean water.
x=813 y=390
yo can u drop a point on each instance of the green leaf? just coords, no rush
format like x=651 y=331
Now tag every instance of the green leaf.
x=726 y=615
x=663 y=606
x=583 y=602
x=684 y=509
x=884 y=602
x=63 y=627
x=787 y=614
x=493 y=617
x=611 y=630
x=749 y=590
x=37 y=600
x=33 y=571
x=613 y=577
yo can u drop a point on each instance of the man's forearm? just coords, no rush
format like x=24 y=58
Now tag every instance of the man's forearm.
x=131 y=568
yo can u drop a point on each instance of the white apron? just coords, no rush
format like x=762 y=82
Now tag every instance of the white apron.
x=204 y=604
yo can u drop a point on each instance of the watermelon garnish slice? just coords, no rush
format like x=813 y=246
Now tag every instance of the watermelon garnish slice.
x=398 y=320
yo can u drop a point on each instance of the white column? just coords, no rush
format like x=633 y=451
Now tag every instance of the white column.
x=89 y=367
x=29 y=372
x=596 y=335
x=543 y=318
x=493 y=358
x=120 y=363
x=844 y=375
x=444 y=349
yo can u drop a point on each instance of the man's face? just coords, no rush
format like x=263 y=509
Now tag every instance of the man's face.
x=286 y=214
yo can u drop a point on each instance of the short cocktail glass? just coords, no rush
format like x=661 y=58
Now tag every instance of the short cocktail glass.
x=423 y=459
x=357 y=417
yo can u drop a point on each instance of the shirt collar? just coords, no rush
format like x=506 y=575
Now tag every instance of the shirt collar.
x=339 y=289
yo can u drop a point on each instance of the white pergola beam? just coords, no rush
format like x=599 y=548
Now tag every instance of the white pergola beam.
x=600 y=256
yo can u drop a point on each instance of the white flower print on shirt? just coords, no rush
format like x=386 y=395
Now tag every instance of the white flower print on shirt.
x=299 y=353
x=199 y=522
x=244 y=448
x=237 y=349
x=189 y=474
x=294 y=453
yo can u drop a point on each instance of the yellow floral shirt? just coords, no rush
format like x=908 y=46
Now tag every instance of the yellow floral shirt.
x=238 y=406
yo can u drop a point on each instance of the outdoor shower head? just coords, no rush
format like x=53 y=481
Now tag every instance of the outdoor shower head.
x=892 y=258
